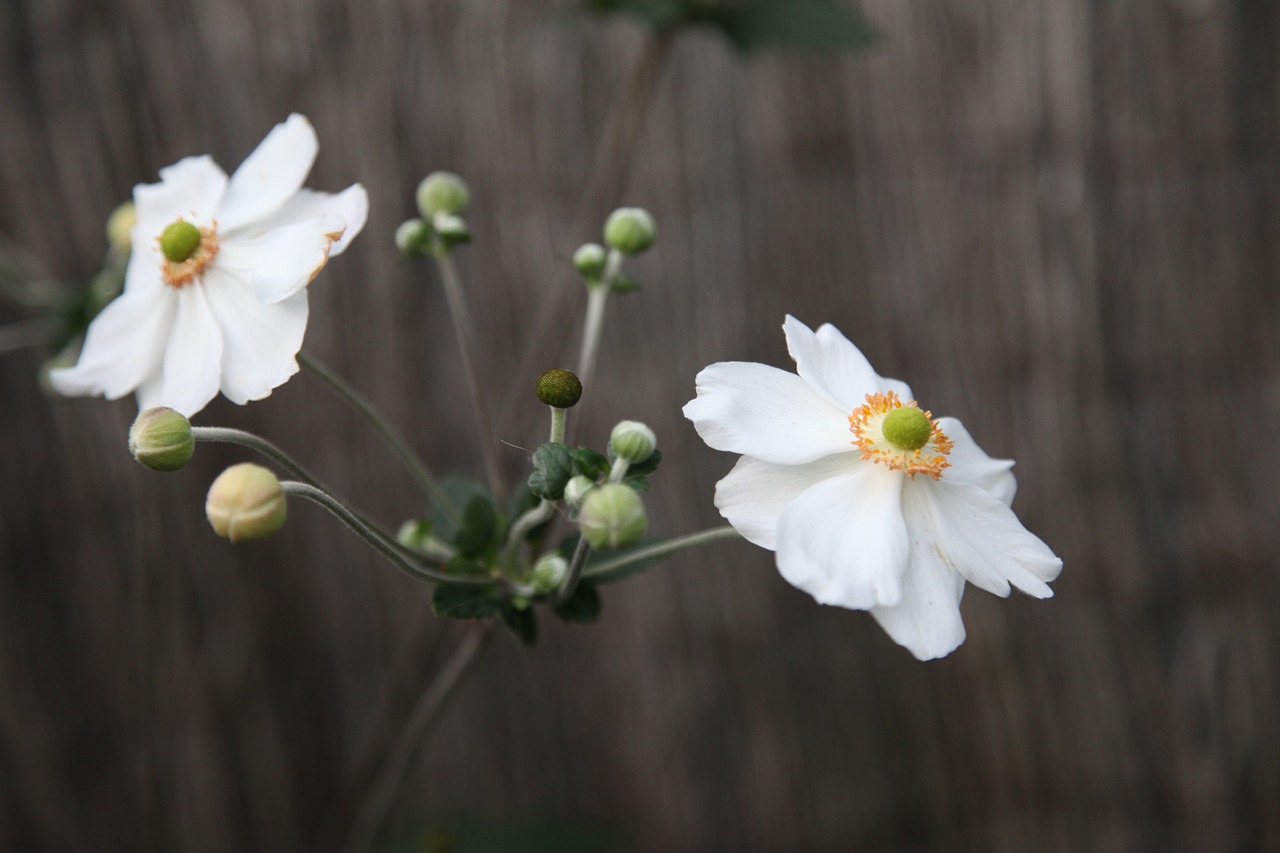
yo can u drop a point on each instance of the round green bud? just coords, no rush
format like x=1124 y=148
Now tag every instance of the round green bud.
x=413 y=236
x=548 y=573
x=576 y=489
x=119 y=225
x=633 y=441
x=179 y=241
x=630 y=230
x=442 y=192
x=451 y=229
x=590 y=260
x=906 y=428
x=612 y=516
x=559 y=388
x=246 y=502
x=161 y=439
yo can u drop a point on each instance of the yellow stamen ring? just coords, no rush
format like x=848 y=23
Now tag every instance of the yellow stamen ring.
x=867 y=425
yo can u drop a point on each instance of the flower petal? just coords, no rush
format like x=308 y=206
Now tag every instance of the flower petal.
x=345 y=213
x=192 y=361
x=981 y=538
x=280 y=262
x=844 y=541
x=761 y=411
x=753 y=496
x=259 y=341
x=270 y=175
x=124 y=345
x=190 y=189
x=971 y=464
x=834 y=367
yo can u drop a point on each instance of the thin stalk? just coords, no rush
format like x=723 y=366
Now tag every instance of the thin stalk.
x=604 y=568
x=545 y=508
x=558 y=420
x=466 y=344
x=378 y=799
x=571 y=578
x=393 y=439
x=375 y=539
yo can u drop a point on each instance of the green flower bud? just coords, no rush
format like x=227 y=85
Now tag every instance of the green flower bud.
x=612 y=516
x=590 y=260
x=246 y=502
x=413 y=237
x=906 y=428
x=548 y=573
x=630 y=230
x=576 y=489
x=442 y=192
x=559 y=388
x=633 y=441
x=161 y=439
x=119 y=225
x=179 y=241
x=451 y=229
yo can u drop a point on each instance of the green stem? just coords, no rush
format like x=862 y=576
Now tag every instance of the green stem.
x=575 y=573
x=593 y=328
x=558 y=419
x=604 y=568
x=393 y=439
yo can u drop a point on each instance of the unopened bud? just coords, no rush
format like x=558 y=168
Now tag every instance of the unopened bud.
x=451 y=229
x=630 y=230
x=161 y=439
x=632 y=441
x=442 y=192
x=612 y=516
x=576 y=489
x=246 y=502
x=559 y=388
x=548 y=573
x=590 y=260
x=119 y=225
x=413 y=237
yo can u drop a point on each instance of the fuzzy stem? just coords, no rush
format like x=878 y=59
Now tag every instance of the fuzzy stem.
x=604 y=568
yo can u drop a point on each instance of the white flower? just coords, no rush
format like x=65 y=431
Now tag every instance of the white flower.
x=223 y=305
x=894 y=525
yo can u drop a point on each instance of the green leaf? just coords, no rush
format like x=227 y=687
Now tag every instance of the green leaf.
x=480 y=527
x=553 y=465
x=820 y=24
x=458 y=601
x=583 y=607
x=624 y=284
x=522 y=623
x=460 y=491
x=640 y=484
x=589 y=463
x=639 y=469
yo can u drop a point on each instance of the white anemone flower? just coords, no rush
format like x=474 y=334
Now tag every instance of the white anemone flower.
x=868 y=501
x=215 y=292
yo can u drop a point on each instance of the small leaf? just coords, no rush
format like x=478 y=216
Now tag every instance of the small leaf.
x=459 y=601
x=640 y=484
x=583 y=606
x=640 y=469
x=480 y=527
x=459 y=491
x=624 y=284
x=553 y=465
x=522 y=623
x=589 y=463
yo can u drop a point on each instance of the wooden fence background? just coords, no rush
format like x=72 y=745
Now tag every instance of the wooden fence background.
x=1057 y=219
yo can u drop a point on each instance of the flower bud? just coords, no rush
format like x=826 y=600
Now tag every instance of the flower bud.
x=559 y=388
x=119 y=225
x=451 y=229
x=590 y=260
x=612 y=516
x=161 y=439
x=576 y=489
x=632 y=441
x=245 y=502
x=630 y=230
x=412 y=237
x=442 y=192
x=548 y=573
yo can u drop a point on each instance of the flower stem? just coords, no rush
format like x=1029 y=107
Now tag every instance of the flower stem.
x=571 y=578
x=558 y=420
x=393 y=439
x=597 y=296
x=378 y=799
x=376 y=540
x=466 y=344
x=226 y=435
x=604 y=569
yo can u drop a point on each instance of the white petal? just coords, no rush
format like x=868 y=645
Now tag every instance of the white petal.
x=753 y=496
x=190 y=189
x=259 y=342
x=833 y=366
x=124 y=344
x=760 y=411
x=192 y=361
x=270 y=175
x=280 y=262
x=345 y=214
x=981 y=538
x=971 y=464
x=844 y=541
x=927 y=619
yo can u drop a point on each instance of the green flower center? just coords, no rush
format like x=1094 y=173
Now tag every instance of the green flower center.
x=179 y=241
x=906 y=428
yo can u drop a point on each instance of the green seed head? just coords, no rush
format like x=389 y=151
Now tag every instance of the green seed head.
x=906 y=428
x=179 y=241
x=161 y=439
x=559 y=388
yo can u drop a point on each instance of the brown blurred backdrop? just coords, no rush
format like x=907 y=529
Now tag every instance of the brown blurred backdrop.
x=1057 y=219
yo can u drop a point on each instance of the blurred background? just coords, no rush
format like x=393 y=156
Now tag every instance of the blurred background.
x=1057 y=220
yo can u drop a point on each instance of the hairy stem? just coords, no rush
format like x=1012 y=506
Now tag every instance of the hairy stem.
x=605 y=568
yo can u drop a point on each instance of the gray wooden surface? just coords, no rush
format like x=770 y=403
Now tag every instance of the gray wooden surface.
x=1058 y=220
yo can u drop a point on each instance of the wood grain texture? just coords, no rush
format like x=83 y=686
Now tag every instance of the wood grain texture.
x=1057 y=220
